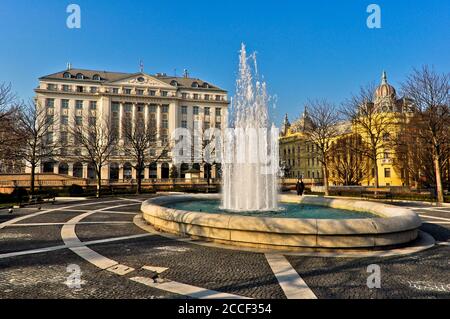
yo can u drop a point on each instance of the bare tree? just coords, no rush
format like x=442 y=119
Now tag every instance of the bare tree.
x=324 y=128
x=430 y=92
x=97 y=141
x=140 y=139
x=347 y=164
x=8 y=114
x=371 y=122
x=35 y=127
x=7 y=100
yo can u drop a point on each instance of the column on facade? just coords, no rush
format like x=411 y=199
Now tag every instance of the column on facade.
x=70 y=169
x=159 y=170
x=146 y=172
x=85 y=170
x=121 y=172
x=121 y=112
x=105 y=172
x=158 y=121
x=133 y=173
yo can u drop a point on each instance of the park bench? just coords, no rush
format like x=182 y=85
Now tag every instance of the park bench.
x=377 y=193
x=37 y=199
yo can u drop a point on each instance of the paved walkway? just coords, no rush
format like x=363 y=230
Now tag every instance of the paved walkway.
x=44 y=252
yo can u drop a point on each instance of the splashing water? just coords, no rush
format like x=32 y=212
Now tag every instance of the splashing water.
x=250 y=167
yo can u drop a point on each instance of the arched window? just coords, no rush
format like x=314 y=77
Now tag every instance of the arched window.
x=78 y=170
x=174 y=83
x=63 y=169
x=96 y=77
x=195 y=84
x=127 y=171
x=67 y=75
x=206 y=85
x=80 y=76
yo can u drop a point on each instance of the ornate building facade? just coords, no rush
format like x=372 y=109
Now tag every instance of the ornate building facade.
x=74 y=95
x=296 y=153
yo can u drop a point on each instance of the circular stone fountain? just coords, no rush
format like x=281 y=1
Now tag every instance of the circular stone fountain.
x=379 y=225
x=252 y=213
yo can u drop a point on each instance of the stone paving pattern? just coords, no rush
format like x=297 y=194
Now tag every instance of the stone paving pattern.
x=422 y=275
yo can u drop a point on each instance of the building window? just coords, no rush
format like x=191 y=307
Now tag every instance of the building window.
x=140 y=92
x=66 y=88
x=184 y=124
x=152 y=92
x=218 y=112
x=218 y=125
x=165 y=123
x=49 y=119
x=127 y=91
x=80 y=76
x=184 y=110
x=387 y=173
x=218 y=98
x=128 y=107
x=195 y=96
x=96 y=77
x=207 y=125
x=152 y=108
x=163 y=93
x=184 y=95
x=93 y=89
x=67 y=75
x=64 y=120
x=50 y=103
x=165 y=109
x=207 y=97
x=115 y=106
x=79 y=104
x=51 y=87
x=207 y=111
x=78 y=120
x=64 y=104
x=195 y=110
x=80 y=89
x=93 y=105
x=92 y=121
x=115 y=91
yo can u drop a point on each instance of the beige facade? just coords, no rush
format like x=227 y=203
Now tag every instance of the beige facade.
x=75 y=95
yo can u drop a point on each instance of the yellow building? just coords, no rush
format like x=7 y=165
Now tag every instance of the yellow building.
x=296 y=156
x=298 y=159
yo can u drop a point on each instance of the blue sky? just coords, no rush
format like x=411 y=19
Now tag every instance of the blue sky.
x=306 y=49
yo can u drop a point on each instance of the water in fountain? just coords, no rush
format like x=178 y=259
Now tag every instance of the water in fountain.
x=250 y=167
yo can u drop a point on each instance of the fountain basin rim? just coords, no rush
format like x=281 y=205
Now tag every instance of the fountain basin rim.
x=394 y=226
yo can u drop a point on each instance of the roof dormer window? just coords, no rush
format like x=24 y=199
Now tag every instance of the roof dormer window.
x=80 y=76
x=96 y=77
x=174 y=83
x=206 y=85
x=67 y=75
x=195 y=84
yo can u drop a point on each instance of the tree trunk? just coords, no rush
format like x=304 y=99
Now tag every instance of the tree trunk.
x=375 y=167
x=99 y=182
x=139 y=181
x=325 y=180
x=439 y=189
x=32 y=178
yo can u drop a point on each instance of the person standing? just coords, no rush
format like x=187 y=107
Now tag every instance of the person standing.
x=297 y=187
x=302 y=188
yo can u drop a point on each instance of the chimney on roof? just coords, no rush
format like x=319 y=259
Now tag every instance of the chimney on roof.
x=185 y=73
x=69 y=66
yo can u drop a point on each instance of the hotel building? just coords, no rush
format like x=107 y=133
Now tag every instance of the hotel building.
x=74 y=95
